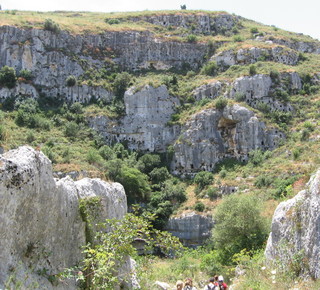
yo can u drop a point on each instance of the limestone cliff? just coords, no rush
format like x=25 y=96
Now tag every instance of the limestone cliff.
x=214 y=134
x=295 y=231
x=41 y=229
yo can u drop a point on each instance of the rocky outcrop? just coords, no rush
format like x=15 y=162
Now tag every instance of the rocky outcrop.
x=41 y=229
x=212 y=135
x=301 y=46
x=192 y=229
x=210 y=90
x=200 y=23
x=144 y=125
x=52 y=57
x=251 y=55
x=263 y=89
x=295 y=230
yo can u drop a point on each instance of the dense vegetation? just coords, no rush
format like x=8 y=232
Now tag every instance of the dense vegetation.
x=62 y=133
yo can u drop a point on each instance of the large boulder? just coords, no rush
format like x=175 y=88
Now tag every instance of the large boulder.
x=41 y=229
x=295 y=231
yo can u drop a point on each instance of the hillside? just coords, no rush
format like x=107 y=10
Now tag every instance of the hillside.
x=155 y=99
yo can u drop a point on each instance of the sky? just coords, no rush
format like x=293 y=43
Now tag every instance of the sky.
x=293 y=15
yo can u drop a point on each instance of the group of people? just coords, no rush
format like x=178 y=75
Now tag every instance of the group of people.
x=215 y=283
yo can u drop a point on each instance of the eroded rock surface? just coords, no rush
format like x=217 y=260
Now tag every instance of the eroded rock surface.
x=191 y=228
x=144 y=125
x=295 y=230
x=41 y=230
x=212 y=135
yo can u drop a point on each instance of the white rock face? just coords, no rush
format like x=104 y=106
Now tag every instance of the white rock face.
x=144 y=125
x=191 y=228
x=212 y=135
x=296 y=229
x=40 y=223
x=254 y=54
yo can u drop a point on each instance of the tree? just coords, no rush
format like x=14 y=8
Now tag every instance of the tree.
x=203 y=178
x=8 y=77
x=238 y=225
x=104 y=258
x=71 y=81
x=120 y=84
x=183 y=7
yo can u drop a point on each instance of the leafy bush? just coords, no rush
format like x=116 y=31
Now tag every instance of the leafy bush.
x=112 y=21
x=3 y=133
x=252 y=70
x=50 y=25
x=237 y=38
x=263 y=181
x=107 y=153
x=191 y=38
x=239 y=225
x=254 y=30
x=148 y=162
x=221 y=103
x=93 y=156
x=71 y=81
x=202 y=179
x=209 y=69
x=26 y=74
x=159 y=175
x=8 y=77
x=199 y=206
x=135 y=184
x=256 y=157
x=121 y=83
x=71 y=129
x=76 y=108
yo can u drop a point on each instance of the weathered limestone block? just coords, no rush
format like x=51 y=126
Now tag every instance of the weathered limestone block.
x=295 y=230
x=211 y=90
x=144 y=125
x=191 y=228
x=200 y=23
x=41 y=227
x=212 y=135
x=252 y=55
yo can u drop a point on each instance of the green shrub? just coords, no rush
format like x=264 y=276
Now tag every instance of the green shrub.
x=148 y=162
x=71 y=81
x=112 y=21
x=71 y=129
x=237 y=38
x=93 y=156
x=107 y=153
x=238 y=225
x=191 y=38
x=76 y=108
x=256 y=157
x=3 y=133
x=203 y=178
x=50 y=25
x=252 y=70
x=26 y=74
x=121 y=83
x=212 y=192
x=263 y=181
x=159 y=175
x=221 y=103
x=254 y=30
x=8 y=77
x=209 y=69
x=199 y=206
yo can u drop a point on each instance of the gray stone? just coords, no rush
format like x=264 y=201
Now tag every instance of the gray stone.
x=41 y=227
x=251 y=55
x=144 y=125
x=295 y=230
x=191 y=228
x=212 y=135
